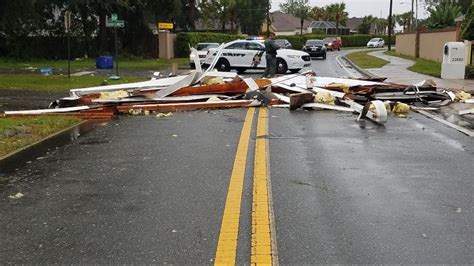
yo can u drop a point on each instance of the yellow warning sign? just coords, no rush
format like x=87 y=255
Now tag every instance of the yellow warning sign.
x=165 y=26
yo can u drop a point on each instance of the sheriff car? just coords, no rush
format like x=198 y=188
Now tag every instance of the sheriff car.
x=250 y=54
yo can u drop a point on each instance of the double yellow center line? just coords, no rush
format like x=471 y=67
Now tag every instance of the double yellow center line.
x=261 y=246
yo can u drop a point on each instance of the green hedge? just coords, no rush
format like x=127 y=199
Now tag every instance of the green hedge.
x=297 y=41
x=184 y=39
x=470 y=71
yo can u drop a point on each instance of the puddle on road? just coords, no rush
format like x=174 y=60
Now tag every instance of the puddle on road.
x=20 y=159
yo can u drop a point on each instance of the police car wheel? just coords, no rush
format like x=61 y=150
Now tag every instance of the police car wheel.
x=223 y=65
x=241 y=70
x=282 y=68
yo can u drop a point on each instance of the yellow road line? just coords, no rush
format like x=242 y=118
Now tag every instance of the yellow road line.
x=227 y=245
x=261 y=247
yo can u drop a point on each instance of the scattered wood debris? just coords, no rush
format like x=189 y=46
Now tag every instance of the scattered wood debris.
x=372 y=99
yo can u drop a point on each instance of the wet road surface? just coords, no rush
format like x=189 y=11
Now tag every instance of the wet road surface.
x=148 y=190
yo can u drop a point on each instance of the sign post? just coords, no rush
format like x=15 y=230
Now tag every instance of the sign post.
x=115 y=23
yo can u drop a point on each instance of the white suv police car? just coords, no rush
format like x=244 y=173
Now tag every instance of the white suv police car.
x=244 y=54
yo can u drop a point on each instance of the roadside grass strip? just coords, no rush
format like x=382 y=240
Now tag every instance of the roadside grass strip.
x=89 y=64
x=229 y=233
x=363 y=60
x=19 y=132
x=422 y=66
x=56 y=82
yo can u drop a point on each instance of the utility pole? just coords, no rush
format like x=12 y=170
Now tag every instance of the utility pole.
x=416 y=17
x=390 y=26
x=412 y=16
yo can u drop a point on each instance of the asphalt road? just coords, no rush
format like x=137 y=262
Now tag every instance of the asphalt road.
x=148 y=190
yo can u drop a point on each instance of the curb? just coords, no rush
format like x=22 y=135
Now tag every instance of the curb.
x=359 y=69
x=16 y=152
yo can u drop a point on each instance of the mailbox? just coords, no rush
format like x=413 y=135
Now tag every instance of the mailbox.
x=454 y=61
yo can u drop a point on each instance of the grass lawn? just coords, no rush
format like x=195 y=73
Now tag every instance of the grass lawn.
x=19 y=132
x=363 y=60
x=56 y=82
x=422 y=66
x=89 y=64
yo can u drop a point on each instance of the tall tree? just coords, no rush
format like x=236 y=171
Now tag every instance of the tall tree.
x=366 y=24
x=318 y=13
x=382 y=25
x=337 y=11
x=468 y=28
x=443 y=15
x=18 y=20
x=251 y=14
x=404 y=20
x=297 y=8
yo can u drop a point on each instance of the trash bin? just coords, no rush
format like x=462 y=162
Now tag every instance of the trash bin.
x=454 y=60
x=104 y=62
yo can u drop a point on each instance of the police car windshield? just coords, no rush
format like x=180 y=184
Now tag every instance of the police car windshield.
x=206 y=46
x=314 y=43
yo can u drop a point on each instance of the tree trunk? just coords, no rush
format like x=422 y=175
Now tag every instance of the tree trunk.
x=301 y=26
x=192 y=14
x=87 y=33
x=102 y=30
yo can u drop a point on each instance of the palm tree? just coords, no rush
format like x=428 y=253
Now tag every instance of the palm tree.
x=404 y=20
x=318 y=13
x=382 y=25
x=338 y=13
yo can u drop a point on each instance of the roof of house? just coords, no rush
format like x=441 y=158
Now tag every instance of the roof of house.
x=353 y=23
x=325 y=25
x=286 y=22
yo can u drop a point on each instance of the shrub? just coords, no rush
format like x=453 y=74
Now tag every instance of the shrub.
x=186 y=39
x=470 y=71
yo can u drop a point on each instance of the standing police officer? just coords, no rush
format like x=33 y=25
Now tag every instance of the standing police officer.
x=271 y=51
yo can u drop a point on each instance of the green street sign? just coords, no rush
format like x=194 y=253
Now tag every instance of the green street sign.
x=115 y=24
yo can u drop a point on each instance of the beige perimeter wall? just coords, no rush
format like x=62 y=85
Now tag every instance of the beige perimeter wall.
x=431 y=44
x=405 y=44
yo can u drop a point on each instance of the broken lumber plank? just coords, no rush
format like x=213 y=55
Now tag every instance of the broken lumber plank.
x=188 y=80
x=465 y=112
x=239 y=87
x=154 y=84
x=466 y=131
x=47 y=111
x=327 y=106
x=184 y=106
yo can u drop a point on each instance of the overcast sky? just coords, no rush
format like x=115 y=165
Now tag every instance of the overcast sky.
x=360 y=8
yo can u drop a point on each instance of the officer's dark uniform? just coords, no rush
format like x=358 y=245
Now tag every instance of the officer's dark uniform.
x=271 y=51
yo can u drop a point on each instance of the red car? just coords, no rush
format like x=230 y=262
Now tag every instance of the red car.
x=333 y=43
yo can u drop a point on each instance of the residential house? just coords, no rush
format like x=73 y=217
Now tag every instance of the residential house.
x=286 y=24
x=328 y=27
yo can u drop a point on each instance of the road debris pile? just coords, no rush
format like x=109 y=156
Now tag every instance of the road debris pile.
x=197 y=90
x=372 y=99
